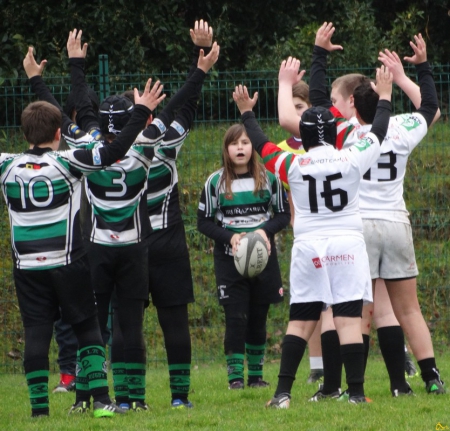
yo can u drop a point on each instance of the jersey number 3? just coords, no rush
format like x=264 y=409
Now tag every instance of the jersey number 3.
x=329 y=194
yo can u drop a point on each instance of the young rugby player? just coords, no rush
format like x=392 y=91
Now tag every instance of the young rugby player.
x=329 y=264
x=42 y=190
x=240 y=198
x=390 y=208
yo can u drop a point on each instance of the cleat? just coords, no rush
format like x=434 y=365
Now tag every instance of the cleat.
x=260 y=383
x=138 y=407
x=345 y=396
x=80 y=407
x=319 y=395
x=435 y=386
x=281 y=401
x=124 y=406
x=180 y=404
x=66 y=384
x=410 y=368
x=106 y=410
x=315 y=376
x=357 y=399
x=237 y=384
x=396 y=393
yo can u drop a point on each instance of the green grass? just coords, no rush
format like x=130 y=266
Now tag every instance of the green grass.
x=217 y=408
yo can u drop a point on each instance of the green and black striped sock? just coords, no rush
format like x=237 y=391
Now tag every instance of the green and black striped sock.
x=37 y=382
x=120 y=382
x=180 y=381
x=136 y=381
x=235 y=367
x=81 y=383
x=93 y=363
x=255 y=361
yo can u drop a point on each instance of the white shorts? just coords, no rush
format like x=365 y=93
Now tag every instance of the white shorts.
x=390 y=248
x=332 y=270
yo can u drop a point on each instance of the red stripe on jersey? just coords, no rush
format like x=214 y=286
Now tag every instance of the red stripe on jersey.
x=270 y=154
x=343 y=126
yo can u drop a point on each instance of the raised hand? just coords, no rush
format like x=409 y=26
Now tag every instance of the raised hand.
x=32 y=68
x=206 y=62
x=393 y=62
x=74 y=47
x=323 y=37
x=289 y=72
x=150 y=98
x=420 y=51
x=242 y=99
x=383 y=86
x=202 y=34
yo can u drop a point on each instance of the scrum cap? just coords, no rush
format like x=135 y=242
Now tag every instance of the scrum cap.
x=115 y=111
x=317 y=127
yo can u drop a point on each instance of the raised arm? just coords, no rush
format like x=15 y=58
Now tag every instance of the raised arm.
x=429 y=105
x=288 y=76
x=318 y=94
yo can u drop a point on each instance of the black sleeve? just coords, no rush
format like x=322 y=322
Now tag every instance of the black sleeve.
x=430 y=103
x=86 y=116
x=191 y=88
x=277 y=223
x=208 y=227
x=254 y=131
x=381 y=121
x=43 y=93
x=318 y=94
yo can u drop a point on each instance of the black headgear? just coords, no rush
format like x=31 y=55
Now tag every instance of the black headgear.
x=115 y=111
x=317 y=127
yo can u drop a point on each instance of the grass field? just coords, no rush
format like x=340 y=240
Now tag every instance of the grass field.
x=217 y=408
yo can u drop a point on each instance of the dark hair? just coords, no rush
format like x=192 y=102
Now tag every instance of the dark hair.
x=129 y=94
x=255 y=167
x=365 y=101
x=40 y=121
x=317 y=127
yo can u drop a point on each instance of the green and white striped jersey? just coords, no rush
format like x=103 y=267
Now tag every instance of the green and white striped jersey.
x=162 y=185
x=118 y=216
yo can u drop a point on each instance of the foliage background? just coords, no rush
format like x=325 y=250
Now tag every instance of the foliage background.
x=151 y=37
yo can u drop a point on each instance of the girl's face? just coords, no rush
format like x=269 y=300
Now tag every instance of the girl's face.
x=240 y=152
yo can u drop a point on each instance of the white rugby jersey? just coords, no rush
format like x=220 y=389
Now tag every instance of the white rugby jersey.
x=381 y=190
x=324 y=184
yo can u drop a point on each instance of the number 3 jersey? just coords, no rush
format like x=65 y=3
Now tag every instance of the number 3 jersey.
x=381 y=190
x=324 y=183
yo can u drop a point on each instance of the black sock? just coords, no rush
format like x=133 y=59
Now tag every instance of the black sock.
x=292 y=351
x=332 y=362
x=428 y=369
x=353 y=359
x=366 y=341
x=392 y=345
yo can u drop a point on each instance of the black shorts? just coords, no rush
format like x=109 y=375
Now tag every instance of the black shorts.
x=266 y=288
x=123 y=269
x=42 y=293
x=305 y=311
x=169 y=267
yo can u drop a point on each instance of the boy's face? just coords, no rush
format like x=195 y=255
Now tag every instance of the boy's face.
x=345 y=106
x=300 y=105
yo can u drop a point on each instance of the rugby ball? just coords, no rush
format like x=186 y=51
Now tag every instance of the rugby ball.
x=252 y=255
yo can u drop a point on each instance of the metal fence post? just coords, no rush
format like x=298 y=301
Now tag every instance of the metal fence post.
x=103 y=72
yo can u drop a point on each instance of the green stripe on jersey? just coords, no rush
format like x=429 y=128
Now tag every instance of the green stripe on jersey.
x=30 y=233
x=107 y=177
x=243 y=198
x=117 y=214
